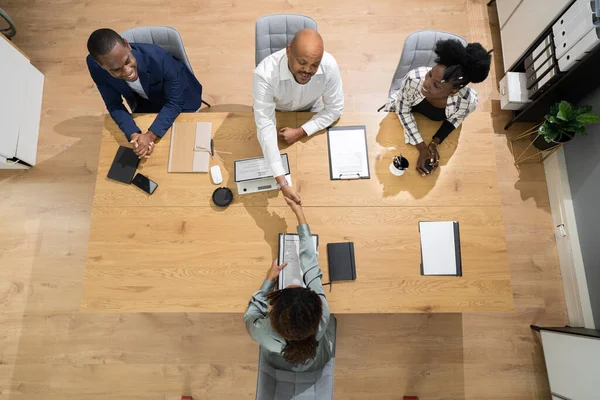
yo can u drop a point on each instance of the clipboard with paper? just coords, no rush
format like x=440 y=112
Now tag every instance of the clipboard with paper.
x=289 y=251
x=348 y=152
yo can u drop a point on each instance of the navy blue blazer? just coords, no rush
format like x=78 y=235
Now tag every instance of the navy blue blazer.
x=168 y=83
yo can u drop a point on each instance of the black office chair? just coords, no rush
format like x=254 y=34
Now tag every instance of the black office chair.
x=12 y=29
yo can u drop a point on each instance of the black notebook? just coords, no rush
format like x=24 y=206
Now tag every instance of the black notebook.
x=124 y=165
x=342 y=266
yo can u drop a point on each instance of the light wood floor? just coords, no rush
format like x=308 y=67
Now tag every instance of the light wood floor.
x=49 y=350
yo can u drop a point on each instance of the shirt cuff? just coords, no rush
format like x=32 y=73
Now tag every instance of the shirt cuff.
x=414 y=142
x=277 y=169
x=310 y=127
x=128 y=135
x=267 y=286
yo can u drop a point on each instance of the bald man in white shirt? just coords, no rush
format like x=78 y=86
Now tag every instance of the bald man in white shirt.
x=301 y=77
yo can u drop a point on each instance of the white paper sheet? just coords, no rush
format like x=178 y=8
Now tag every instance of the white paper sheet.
x=438 y=248
x=289 y=251
x=348 y=152
x=256 y=168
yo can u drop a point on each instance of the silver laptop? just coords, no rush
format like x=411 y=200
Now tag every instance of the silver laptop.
x=253 y=175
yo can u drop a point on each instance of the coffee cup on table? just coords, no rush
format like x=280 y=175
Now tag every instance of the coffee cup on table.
x=399 y=165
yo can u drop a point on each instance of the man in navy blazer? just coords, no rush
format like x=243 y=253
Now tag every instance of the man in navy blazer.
x=149 y=78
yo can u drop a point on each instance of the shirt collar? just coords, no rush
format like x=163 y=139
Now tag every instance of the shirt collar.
x=286 y=74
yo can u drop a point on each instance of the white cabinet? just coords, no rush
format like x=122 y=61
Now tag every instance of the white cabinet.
x=526 y=22
x=20 y=107
x=505 y=9
x=573 y=364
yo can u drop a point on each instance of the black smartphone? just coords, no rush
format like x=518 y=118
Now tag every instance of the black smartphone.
x=144 y=183
x=428 y=166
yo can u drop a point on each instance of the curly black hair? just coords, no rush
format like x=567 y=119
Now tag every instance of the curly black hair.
x=295 y=315
x=463 y=64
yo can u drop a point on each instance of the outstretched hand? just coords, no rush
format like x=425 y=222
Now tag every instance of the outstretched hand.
x=274 y=270
x=297 y=209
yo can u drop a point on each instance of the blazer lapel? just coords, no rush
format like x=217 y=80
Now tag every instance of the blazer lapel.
x=142 y=65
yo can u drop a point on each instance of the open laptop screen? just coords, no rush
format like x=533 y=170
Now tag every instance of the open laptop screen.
x=251 y=169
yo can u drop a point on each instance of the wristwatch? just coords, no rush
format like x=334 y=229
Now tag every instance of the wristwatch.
x=282 y=185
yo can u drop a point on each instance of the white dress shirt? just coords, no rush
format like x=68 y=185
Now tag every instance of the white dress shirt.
x=274 y=88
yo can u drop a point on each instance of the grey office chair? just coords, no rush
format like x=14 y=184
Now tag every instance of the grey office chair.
x=12 y=29
x=274 y=32
x=276 y=384
x=418 y=51
x=164 y=36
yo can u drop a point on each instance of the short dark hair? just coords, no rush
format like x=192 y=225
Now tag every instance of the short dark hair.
x=463 y=64
x=295 y=315
x=102 y=41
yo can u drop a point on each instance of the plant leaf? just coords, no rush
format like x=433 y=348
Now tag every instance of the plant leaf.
x=550 y=136
x=565 y=111
x=581 y=130
x=588 y=118
x=554 y=109
x=583 y=110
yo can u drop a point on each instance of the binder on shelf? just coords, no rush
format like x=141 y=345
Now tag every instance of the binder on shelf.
x=440 y=248
x=544 y=83
x=543 y=51
x=575 y=15
x=538 y=75
x=539 y=67
x=348 y=152
x=570 y=14
x=579 y=50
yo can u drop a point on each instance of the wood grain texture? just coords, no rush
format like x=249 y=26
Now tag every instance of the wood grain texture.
x=50 y=350
x=148 y=254
x=196 y=258
x=466 y=177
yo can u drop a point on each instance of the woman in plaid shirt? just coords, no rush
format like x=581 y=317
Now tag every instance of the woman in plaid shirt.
x=441 y=94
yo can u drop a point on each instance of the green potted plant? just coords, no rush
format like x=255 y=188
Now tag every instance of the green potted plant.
x=562 y=123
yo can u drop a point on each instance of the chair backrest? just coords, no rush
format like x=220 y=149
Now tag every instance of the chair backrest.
x=164 y=36
x=276 y=384
x=418 y=51
x=274 y=32
x=12 y=29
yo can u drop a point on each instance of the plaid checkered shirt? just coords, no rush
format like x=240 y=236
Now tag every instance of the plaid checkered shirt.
x=409 y=95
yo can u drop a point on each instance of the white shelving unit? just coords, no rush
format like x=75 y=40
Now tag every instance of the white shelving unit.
x=20 y=107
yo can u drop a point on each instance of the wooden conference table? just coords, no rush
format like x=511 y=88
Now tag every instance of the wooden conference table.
x=175 y=251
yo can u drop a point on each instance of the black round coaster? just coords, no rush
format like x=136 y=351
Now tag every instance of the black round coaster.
x=222 y=197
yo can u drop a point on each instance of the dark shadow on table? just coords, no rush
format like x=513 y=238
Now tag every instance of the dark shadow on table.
x=77 y=161
x=121 y=139
x=531 y=182
x=391 y=138
x=270 y=222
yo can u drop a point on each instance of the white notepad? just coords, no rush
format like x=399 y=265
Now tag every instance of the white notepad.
x=289 y=251
x=440 y=248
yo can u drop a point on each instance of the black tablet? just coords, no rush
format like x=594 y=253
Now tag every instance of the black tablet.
x=124 y=165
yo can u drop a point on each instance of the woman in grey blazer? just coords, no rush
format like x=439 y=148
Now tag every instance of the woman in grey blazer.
x=292 y=325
